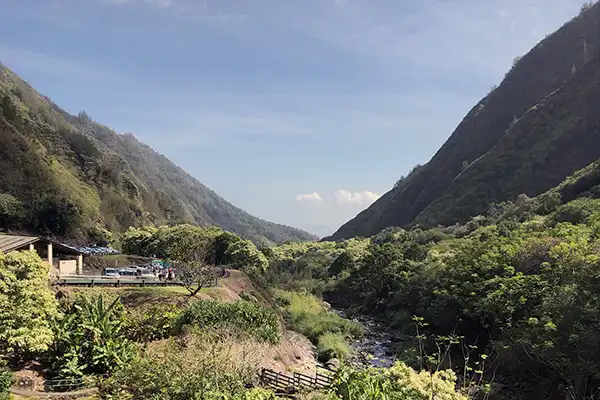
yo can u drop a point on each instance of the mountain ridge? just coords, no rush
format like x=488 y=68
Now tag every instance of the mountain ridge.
x=435 y=193
x=70 y=176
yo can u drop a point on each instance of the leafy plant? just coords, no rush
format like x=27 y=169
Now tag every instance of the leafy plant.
x=147 y=324
x=90 y=339
x=399 y=382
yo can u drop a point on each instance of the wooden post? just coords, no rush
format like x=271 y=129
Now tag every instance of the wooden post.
x=50 y=253
x=79 y=265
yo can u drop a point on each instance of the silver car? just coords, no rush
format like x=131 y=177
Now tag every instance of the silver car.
x=111 y=273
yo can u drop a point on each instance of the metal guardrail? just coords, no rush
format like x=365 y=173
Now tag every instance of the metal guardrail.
x=97 y=281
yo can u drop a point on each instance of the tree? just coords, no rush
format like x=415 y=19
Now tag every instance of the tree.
x=27 y=304
x=245 y=255
x=192 y=250
x=196 y=274
x=9 y=109
x=516 y=60
x=222 y=243
x=139 y=241
x=11 y=210
x=344 y=262
x=84 y=118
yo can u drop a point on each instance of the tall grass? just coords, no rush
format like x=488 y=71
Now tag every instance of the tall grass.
x=333 y=345
x=328 y=331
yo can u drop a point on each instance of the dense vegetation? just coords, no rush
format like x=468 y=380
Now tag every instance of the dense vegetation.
x=192 y=244
x=72 y=177
x=195 y=350
x=517 y=285
x=250 y=318
x=537 y=127
x=399 y=383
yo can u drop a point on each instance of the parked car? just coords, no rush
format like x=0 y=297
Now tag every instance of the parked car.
x=127 y=272
x=110 y=273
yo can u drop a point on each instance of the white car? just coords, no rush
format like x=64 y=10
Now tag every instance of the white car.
x=111 y=273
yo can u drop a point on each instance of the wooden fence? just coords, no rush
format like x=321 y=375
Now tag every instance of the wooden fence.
x=290 y=384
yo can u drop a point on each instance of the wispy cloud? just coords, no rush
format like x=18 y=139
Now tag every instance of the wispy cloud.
x=156 y=3
x=160 y=3
x=346 y=197
x=60 y=67
x=309 y=197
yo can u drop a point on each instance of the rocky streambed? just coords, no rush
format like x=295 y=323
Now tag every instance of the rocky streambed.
x=375 y=347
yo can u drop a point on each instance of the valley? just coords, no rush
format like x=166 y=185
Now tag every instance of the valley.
x=474 y=278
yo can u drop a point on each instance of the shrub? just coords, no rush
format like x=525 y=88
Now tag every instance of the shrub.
x=6 y=379
x=576 y=211
x=152 y=323
x=399 y=382
x=332 y=345
x=194 y=366
x=241 y=316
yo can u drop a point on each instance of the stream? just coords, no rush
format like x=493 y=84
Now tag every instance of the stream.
x=375 y=347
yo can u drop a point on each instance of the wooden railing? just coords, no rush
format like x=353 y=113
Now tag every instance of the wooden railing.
x=290 y=384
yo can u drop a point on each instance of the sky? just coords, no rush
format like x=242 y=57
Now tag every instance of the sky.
x=301 y=112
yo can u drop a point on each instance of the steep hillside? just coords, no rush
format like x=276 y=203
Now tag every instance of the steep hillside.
x=525 y=136
x=72 y=177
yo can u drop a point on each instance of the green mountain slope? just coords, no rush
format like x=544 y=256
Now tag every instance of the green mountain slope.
x=72 y=177
x=525 y=136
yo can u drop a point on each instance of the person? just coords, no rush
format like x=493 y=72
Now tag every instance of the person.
x=170 y=274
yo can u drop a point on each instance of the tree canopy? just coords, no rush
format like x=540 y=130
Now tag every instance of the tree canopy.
x=27 y=304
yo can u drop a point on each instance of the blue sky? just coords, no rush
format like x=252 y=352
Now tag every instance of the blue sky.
x=301 y=112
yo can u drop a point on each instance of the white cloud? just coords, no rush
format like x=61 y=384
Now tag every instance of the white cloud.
x=311 y=197
x=156 y=3
x=344 y=196
x=160 y=3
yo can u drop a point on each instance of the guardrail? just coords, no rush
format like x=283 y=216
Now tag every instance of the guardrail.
x=114 y=282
